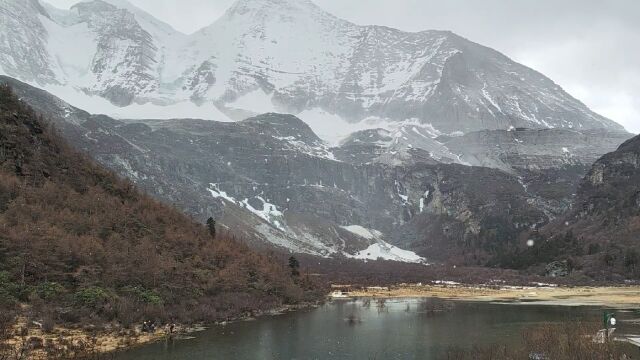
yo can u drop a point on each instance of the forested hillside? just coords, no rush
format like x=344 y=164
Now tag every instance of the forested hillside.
x=79 y=244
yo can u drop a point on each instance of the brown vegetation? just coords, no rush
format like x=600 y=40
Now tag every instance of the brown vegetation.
x=618 y=297
x=387 y=273
x=567 y=341
x=79 y=245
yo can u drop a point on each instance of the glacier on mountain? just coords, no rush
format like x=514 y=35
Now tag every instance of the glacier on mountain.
x=285 y=56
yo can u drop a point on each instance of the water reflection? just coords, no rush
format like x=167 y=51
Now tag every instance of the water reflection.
x=365 y=329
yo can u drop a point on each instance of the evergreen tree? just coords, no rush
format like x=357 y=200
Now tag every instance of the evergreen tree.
x=211 y=226
x=295 y=266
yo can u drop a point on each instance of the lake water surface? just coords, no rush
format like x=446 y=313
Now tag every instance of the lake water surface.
x=397 y=329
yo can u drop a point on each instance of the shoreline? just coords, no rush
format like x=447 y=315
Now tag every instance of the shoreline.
x=74 y=341
x=546 y=294
x=115 y=340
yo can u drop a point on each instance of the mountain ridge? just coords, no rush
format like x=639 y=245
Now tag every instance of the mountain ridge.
x=597 y=236
x=436 y=141
x=275 y=183
x=292 y=57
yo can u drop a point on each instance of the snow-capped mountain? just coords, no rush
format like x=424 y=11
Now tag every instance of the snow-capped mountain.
x=287 y=56
x=392 y=118
x=273 y=181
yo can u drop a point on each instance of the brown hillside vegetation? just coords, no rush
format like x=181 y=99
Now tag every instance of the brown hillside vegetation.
x=79 y=244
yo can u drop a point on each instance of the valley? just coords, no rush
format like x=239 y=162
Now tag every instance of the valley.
x=273 y=181
x=224 y=183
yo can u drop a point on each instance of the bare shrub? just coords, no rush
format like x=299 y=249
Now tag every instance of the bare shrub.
x=563 y=341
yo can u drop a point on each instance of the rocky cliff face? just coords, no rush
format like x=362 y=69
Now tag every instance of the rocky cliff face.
x=281 y=56
x=273 y=180
x=23 y=49
x=532 y=149
x=612 y=186
x=123 y=65
x=598 y=236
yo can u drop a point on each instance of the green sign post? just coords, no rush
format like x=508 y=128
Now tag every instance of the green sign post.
x=609 y=319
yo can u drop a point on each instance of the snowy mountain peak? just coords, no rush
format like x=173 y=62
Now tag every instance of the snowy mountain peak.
x=93 y=6
x=22 y=8
x=244 y=6
x=122 y=4
x=250 y=13
x=143 y=17
x=286 y=56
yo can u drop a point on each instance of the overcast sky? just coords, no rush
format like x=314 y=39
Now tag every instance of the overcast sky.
x=590 y=47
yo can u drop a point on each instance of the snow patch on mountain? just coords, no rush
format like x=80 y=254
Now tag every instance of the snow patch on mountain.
x=386 y=251
x=316 y=150
x=333 y=128
x=215 y=191
x=269 y=212
x=302 y=246
x=157 y=28
x=258 y=206
x=71 y=60
x=380 y=249
x=363 y=232
x=255 y=101
x=98 y=105
x=279 y=56
x=275 y=230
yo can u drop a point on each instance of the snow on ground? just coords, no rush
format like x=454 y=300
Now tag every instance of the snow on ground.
x=322 y=150
x=276 y=237
x=215 y=191
x=71 y=60
x=97 y=105
x=309 y=244
x=181 y=110
x=126 y=165
x=446 y=282
x=487 y=96
x=296 y=242
x=268 y=213
x=420 y=128
x=256 y=101
x=363 y=232
x=333 y=128
x=385 y=251
x=329 y=127
x=380 y=249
